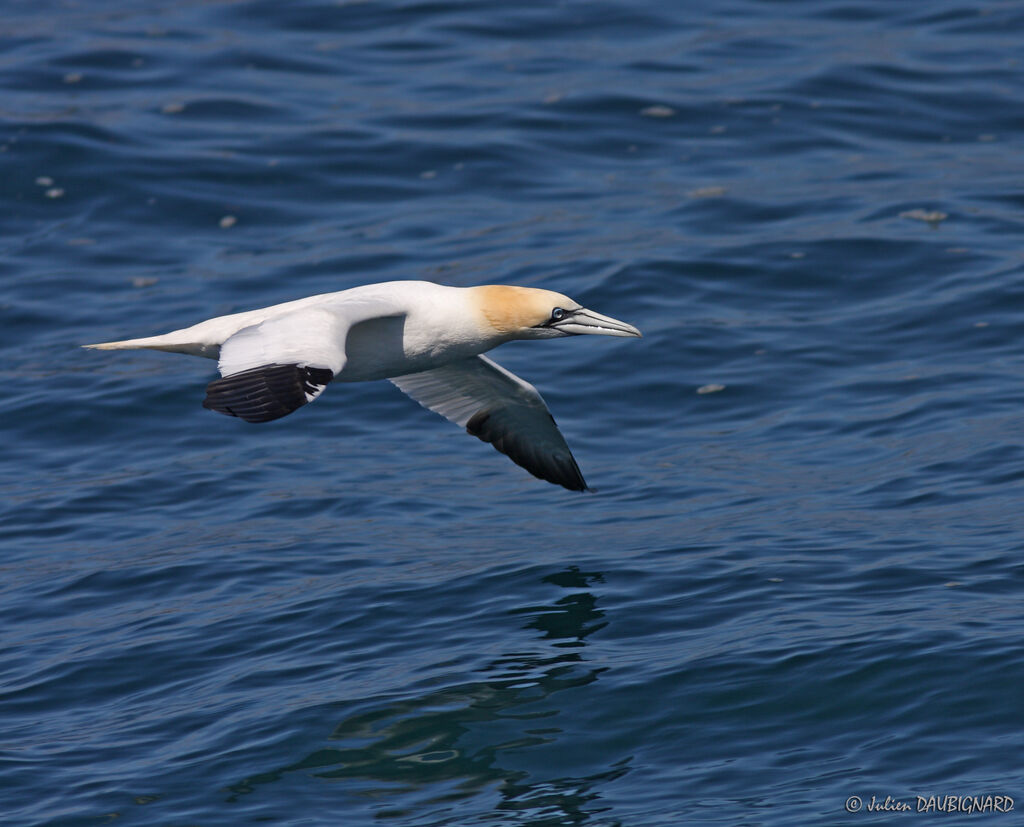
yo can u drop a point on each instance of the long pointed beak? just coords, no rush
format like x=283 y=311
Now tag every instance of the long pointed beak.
x=587 y=321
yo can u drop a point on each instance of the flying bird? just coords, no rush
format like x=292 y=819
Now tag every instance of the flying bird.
x=428 y=339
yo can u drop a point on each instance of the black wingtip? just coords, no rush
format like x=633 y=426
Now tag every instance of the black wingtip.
x=576 y=483
x=558 y=468
x=266 y=393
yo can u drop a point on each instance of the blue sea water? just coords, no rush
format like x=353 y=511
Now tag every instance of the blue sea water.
x=800 y=576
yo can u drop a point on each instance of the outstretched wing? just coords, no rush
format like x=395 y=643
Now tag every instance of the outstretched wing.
x=275 y=367
x=500 y=408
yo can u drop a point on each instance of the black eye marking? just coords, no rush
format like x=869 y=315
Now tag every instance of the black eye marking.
x=559 y=314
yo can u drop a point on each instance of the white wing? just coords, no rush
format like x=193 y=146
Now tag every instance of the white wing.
x=274 y=367
x=500 y=408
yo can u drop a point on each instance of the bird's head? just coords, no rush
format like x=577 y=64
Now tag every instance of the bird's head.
x=532 y=313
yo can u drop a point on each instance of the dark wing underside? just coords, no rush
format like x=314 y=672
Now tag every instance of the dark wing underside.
x=549 y=460
x=267 y=392
x=498 y=407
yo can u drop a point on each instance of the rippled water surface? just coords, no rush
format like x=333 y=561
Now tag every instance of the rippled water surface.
x=799 y=577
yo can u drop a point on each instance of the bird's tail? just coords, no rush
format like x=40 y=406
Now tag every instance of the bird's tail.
x=171 y=342
x=126 y=344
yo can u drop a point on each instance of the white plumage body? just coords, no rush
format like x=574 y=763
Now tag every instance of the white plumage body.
x=370 y=332
x=426 y=338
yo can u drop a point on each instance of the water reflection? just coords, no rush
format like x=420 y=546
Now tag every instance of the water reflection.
x=479 y=737
x=572 y=618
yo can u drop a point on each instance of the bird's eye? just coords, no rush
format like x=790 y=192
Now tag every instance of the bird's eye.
x=557 y=314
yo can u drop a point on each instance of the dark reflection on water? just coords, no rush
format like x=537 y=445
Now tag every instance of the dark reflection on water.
x=574 y=617
x=448 y=744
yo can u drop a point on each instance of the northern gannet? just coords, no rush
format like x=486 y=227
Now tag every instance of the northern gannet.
x=428 y=339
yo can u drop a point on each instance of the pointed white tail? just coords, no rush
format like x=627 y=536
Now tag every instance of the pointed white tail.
x=171 y=342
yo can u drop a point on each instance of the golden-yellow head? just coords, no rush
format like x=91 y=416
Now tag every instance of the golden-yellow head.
x=532 y=313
